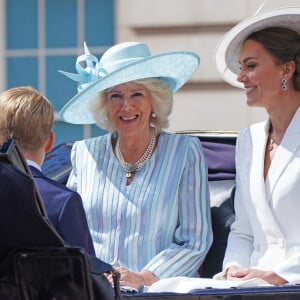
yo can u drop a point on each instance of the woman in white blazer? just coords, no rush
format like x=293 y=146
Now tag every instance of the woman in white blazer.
x=264 y=241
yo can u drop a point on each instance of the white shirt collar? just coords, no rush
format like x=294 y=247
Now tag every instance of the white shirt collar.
x=33 y=164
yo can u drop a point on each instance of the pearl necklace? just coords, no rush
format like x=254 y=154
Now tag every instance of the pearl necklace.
x=131 y=168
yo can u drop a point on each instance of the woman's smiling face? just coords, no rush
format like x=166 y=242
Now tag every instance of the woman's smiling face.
x=260 y=74
x=129 y=107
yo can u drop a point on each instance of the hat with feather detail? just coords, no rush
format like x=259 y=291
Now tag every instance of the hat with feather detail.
x=123 y=63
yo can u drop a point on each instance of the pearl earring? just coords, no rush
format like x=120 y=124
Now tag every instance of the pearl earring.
x=153 y=115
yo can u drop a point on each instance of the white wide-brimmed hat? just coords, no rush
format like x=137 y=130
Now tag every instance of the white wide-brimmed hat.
x=122 y=63
x=228 y=50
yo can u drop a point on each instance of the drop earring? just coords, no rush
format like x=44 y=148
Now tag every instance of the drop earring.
x=153 y=115
x=283 y=84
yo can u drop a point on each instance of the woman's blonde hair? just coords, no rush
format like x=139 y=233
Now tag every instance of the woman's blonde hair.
x=162 y=104
x=26 y=116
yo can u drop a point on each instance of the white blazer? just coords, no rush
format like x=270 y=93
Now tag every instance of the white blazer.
x=266 y=232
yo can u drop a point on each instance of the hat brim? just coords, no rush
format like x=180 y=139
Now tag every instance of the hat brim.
x=228 y=50
x=175 y=68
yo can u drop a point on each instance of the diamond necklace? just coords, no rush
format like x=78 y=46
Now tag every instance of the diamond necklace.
x=131 y=168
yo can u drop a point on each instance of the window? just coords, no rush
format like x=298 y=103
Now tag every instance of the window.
x=44 y=36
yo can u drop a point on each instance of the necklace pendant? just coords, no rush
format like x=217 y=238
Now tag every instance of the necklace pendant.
x=128 y=174
x=271 y=145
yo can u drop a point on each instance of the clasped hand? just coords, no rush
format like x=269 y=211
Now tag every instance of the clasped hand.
x=136 y=280
x=237 y=273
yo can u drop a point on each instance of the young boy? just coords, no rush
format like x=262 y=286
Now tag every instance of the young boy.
x=27 y=116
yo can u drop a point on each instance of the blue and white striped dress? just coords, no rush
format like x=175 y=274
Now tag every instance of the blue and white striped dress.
x=161 y=221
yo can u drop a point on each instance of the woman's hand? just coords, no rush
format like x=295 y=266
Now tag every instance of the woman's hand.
x=134 y=279
x=237 y=273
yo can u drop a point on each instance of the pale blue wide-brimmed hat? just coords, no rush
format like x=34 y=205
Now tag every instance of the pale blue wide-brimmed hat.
x=122 y=63
x=228 y=50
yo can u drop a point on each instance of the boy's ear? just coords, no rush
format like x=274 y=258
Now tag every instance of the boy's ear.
x=50 y=142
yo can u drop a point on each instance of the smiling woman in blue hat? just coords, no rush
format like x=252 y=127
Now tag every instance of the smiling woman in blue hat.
x=144 y=190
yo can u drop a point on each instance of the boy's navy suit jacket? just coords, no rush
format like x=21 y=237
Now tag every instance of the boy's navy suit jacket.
x=65 y=211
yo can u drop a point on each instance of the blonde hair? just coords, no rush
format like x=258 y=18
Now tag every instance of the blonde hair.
x=27 y=116
x=162 y=104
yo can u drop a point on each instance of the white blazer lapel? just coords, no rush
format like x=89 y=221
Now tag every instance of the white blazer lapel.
x=285 y=152
x=263 y=209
